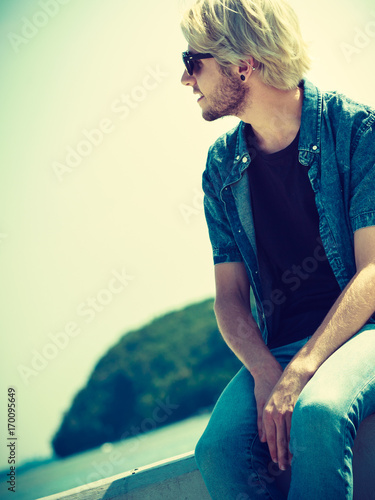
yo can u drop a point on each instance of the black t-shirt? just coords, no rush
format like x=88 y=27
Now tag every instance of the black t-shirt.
x=298 y=284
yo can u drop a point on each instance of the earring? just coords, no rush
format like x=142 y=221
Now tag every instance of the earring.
x=252 y=67
x=243 y=78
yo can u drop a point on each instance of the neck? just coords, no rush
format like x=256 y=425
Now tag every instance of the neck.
x=274 y=115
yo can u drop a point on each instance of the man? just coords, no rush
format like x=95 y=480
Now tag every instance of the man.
x=290 y=208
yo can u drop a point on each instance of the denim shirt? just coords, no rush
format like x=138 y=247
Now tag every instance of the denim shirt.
x=337 y=144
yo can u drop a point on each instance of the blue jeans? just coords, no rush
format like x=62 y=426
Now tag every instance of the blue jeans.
x=235 y=465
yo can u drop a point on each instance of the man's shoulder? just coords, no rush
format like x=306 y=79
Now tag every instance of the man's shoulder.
x=340 y=106
x=352 y=122
x=344 y=117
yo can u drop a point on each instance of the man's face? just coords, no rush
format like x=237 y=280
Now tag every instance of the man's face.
x=221 y=95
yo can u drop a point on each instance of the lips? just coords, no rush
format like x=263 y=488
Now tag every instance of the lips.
x=199 y=94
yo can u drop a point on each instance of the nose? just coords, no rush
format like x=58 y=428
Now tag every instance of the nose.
x=187 y=79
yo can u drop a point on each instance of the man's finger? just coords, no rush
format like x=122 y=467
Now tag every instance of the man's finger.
x=270 y=431
x=288 y=421
x=282 y=444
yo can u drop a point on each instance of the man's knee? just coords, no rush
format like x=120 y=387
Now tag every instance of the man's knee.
x=314 y=420
x=313 y=408
x=216 y=448
x=208 y=450
x=202 y=452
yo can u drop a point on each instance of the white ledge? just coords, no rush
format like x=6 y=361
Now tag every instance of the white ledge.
x=178 y=478
x=171 y=479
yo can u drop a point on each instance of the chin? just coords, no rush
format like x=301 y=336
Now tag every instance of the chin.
x=209 y=116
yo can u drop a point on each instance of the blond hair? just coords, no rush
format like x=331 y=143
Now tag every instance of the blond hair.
x=234 y=30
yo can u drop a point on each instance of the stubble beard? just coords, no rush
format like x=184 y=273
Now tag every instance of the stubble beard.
x=228 y=99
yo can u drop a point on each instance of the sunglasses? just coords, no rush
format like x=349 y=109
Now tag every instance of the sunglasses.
x=189 y=59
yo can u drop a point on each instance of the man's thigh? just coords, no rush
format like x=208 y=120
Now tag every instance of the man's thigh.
x=346 y=378
x=327 y=416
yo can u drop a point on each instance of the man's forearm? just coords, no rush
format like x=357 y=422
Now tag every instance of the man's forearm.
x=349 y=313
x=242 y=334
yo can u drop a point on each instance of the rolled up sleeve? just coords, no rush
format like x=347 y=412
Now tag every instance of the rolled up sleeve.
x=224 y=246
x=362 y=184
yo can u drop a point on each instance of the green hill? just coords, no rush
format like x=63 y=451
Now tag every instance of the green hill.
x=164 y=372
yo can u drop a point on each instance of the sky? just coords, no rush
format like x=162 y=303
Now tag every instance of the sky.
x=102 y=151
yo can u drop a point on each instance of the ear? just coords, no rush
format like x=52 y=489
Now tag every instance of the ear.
x=246 y=68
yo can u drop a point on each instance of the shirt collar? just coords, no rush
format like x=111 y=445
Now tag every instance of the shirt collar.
x=309 y=140
x=311 y=118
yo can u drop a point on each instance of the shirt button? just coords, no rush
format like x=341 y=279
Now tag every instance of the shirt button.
x=237 y=157
x=244 y=160
x=315 y=148
x=239 y=230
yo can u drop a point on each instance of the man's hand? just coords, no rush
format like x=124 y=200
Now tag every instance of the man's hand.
x=277 y=416
x=265 y=383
